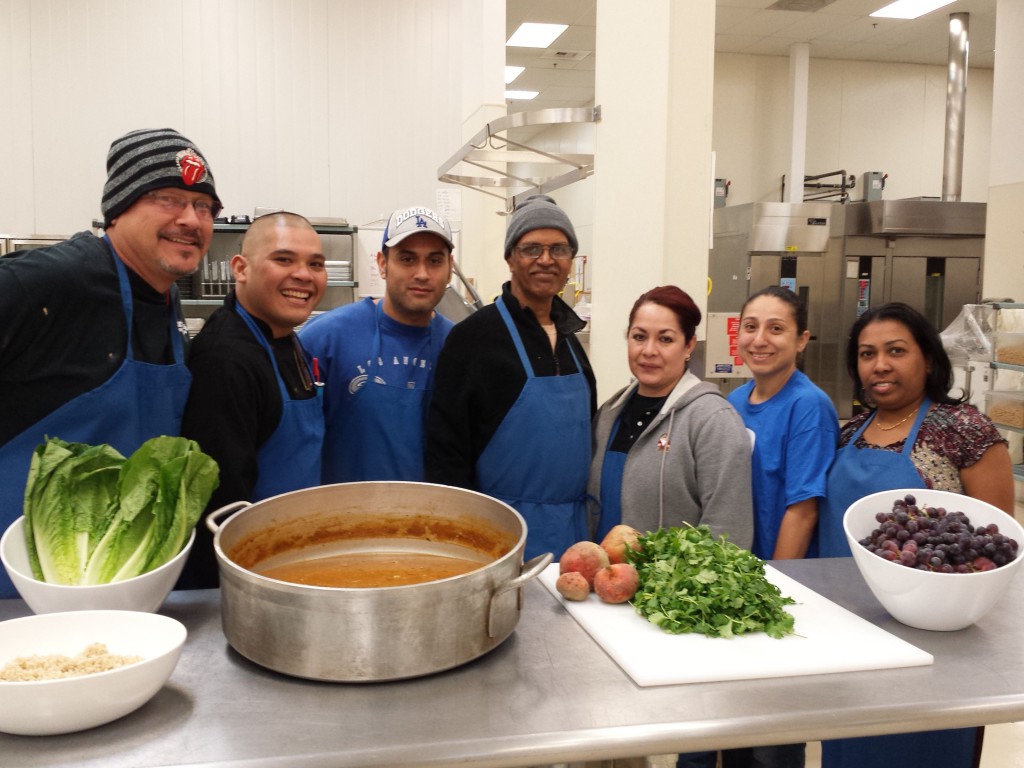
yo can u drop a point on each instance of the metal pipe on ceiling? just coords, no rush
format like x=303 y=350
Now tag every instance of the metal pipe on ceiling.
x=956 y=99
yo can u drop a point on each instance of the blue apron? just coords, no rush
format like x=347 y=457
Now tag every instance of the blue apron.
x=139 y=401
x=858 y=472
x=290 y=458
x=538 y=459
x=612 y=467
x=384 y=425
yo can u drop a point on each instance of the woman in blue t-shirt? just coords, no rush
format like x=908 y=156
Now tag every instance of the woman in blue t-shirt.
x=795 y=430
x=795 y=425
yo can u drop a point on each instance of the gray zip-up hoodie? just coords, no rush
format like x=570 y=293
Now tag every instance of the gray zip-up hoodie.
x=691 y=464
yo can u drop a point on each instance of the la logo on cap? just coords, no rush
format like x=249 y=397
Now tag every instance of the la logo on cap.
x=191 y=165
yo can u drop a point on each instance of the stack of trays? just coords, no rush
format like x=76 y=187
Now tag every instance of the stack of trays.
x=339 y=271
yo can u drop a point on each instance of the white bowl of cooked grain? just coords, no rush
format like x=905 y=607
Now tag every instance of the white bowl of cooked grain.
x=65 y=672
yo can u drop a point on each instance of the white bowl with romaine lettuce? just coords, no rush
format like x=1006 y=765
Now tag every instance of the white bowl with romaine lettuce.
x=102 y=531
x=146 y=592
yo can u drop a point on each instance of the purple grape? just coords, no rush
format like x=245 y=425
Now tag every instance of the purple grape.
x=937 y=539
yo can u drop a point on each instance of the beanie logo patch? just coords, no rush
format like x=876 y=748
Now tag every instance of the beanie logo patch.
x=191 y=165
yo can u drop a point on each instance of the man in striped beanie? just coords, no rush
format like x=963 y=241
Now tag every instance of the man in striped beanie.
x=158 y=204
x=92 y=342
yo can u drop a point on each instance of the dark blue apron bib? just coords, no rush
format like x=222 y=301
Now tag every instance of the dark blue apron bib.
x=290 y=458
x=612 y=467
x=860 y=472
x=139 y=401
x=384 y=425
x=538 y=459
x=856 y=473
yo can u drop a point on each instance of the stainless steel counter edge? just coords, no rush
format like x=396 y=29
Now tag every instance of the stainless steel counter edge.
x=547 y=695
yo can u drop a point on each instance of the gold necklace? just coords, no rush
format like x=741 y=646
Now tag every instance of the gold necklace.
x=908 y=416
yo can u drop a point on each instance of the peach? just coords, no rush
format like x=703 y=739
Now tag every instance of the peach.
x=618 y=539
x=584 y=557
x=572 y=585
x=617 y=583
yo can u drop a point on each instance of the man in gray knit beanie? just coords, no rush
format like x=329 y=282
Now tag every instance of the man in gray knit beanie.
x=514 y=393
x=538 y=212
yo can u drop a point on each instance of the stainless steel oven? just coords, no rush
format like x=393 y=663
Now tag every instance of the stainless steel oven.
x=12 y=243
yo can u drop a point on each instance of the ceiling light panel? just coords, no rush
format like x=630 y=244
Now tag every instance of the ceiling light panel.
x=909 y=9
x=511 y=73
x=520 y=95
x=531 y=35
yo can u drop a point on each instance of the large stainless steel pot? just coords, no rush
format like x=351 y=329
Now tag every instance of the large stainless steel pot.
x=370 y=634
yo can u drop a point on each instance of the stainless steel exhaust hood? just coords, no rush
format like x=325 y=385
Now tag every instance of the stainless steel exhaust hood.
x=920 y=216
x=491 y=150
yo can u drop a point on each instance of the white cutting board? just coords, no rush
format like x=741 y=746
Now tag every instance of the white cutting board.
x=828 y=639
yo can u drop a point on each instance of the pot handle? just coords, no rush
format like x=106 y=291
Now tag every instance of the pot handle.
x=530 y=570
x=213 y=519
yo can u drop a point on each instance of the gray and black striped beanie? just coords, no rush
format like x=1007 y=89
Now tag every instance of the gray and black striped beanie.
x=150 y=159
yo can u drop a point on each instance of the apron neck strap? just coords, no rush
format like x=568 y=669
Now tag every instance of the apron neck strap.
x=125 y=287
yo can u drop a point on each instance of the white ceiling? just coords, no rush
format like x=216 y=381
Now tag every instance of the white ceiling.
x=564 y=72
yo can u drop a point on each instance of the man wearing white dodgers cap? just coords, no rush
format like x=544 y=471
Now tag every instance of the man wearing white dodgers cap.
x=377 y=358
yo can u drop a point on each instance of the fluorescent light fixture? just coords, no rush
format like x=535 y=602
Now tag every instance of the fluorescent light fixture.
x=520 y=95
x=530 y=35
x=511 y=73
x=909 y=9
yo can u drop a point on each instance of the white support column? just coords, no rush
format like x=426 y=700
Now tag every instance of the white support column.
x=482 y=238
x=799 y=63
x=652 y=178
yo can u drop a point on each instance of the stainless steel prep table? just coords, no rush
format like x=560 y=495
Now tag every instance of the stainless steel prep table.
x=548 y=694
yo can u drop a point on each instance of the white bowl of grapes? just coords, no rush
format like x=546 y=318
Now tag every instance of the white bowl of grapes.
x=935 y=560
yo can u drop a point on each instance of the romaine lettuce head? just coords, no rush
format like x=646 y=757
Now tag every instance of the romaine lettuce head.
x=92 y=516
x=69 y=496
x=159 y=488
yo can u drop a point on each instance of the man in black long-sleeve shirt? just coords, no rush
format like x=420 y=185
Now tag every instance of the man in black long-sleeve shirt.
x=254 y=406
x=514 y=392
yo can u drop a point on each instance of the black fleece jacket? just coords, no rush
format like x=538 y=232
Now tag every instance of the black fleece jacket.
x=62 y=328
x=233 y=408
x=479 y=378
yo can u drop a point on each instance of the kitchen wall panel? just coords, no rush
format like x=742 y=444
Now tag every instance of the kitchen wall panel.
x=17 y=190
x=862 y=116
x=328 y=107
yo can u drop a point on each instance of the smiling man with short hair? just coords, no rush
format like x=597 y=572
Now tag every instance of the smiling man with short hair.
x=254 y=404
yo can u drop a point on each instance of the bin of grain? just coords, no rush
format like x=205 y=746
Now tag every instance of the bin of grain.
x=1005 y=407
x=1009 y=347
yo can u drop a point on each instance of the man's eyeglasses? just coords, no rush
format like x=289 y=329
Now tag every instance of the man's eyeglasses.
x=205 y=210
x=535 y=250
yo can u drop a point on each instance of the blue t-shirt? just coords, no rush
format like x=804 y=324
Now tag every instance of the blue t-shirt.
x=341 y=341
x=796 y=433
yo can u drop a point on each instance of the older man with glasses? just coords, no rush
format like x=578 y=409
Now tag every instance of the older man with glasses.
x=92 y=341
x=514 y=392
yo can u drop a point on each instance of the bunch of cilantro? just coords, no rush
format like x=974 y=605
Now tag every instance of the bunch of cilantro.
x=692 y=582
